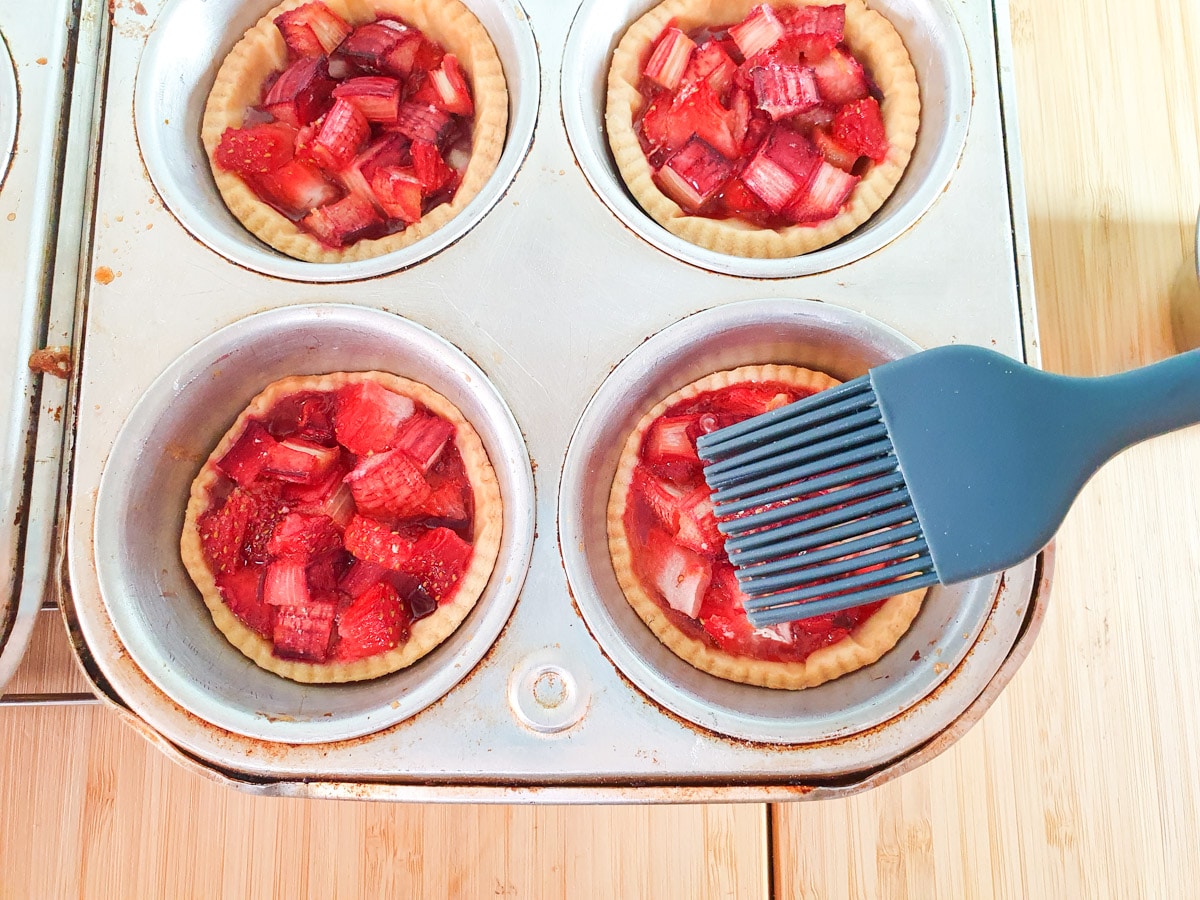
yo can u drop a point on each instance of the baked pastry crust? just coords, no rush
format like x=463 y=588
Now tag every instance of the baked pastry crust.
x=262 y=51
x=863 y=646
x=426 y=633
x=873 y=41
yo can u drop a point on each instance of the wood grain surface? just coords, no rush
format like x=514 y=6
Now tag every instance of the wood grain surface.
x=1082 y=781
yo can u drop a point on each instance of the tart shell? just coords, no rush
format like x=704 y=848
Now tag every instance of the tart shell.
x=873 y=41
x=863 y=646
x=261 y=51
x=426 y=633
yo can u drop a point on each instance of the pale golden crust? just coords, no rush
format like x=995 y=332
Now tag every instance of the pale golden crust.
x=262 y=51
x=427 y=633
x=873 y=41
x=863 y=646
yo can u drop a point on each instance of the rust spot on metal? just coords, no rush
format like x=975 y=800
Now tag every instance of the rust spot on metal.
x=52 y=361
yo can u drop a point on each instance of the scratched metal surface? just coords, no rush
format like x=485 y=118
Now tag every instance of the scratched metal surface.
x=546 y=294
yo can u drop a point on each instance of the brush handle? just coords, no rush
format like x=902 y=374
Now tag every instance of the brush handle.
x=1149 y=401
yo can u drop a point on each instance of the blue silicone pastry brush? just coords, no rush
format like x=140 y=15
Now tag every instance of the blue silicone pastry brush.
x=943 y=466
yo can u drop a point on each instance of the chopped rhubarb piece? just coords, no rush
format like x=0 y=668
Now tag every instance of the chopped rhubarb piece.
x=248 y=456
x=746 y=400
x=446 y=506
x=373 y=542
x=387 y=150
x=286 y=583
x=311 y=30
x=759 y=31
x=694 y=174
x=859 y=127
x=338 y=505
x=296 y=189
x=304 y=632
x=388 y=484
x=299 y=534
x=398 y=193
x=782 y=168
x=834 y=153
x=376 y=96
x=711 y=63
x=323 y=573
x=669 y=448
x=677 y=573
x=429 y=167
x=344 y=222
x=840 y=78
x=374 y=623
x=815 y=30
x=661 y=497
x=782 y=91
x=343 y=133
x=360 y=577
x=400 y=59
x=368 y=46
x=451 y=86
x=698 y=524
x=368 y=416
x=829 y=189
x=669 y=59
x=424 y=438
x=307 y=415
x=255 y=150
x=422 y=122
x=242 y=592
x=223 y=531
x=300 y=461
x=439 y=559
x=302 y=92
x=817 y=117
x=315 y=495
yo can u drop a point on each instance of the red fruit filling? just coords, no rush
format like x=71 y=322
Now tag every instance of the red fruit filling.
x=678 y=552
x=355 y=138
x=770 y=120
x=339 y=519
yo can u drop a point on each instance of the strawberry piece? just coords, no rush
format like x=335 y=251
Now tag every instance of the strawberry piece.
x=782 y=91
x=817 y=117
x=377 y=97
x=296 y=188
x=423 y=438
x=301 y=461
x=428 y=57
x=742 y=202
x=698 y=524
x=781 y=168
x=745 y=400
x=422 y=122
x=710 y=63
x=722 y=615
x=694 y=174
x=342 y=134
x=859 y=128
x=669 y=58
x=840 y=78
x=223 y=531
x=835 y=154
x=661 y=497
x=242 y=592
x=301 y=94
x=344 y=222
x=439 y=560
x=829 y=189
x=445 y=505
x=360 y=577
x=759 y=31
x=311 y=30
x=368 y=416
x=304 y=632
x=286 y=582
x=248 y=456
x=669 y=448
x=678 y=574
x=368 y=46
x=429 y=167
x=700 y=112
x=416 y=599
x=451 y=87
x=374 y=623
x=398 y=193
x=299 y=534
x=255 y=150
x=815 y=30
x=388 y=484
x=373 y=542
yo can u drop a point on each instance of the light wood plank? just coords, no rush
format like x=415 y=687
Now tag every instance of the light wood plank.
x=49 y=666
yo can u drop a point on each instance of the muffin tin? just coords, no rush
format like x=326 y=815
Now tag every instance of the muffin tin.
x=551 y=294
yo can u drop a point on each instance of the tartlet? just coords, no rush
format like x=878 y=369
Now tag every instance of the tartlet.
x=344 y=526
x=367 y=227
x=673 y=44
x=669 y=557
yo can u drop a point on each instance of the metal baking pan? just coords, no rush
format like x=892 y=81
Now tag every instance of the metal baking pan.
x=548 y=293
x=48 y=53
